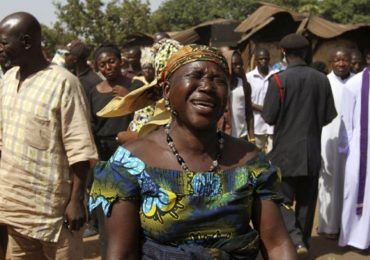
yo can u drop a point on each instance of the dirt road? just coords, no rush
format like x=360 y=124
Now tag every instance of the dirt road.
x=321 y=249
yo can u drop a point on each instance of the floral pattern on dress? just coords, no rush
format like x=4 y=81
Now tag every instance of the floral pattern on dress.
x=207 y=184
x=186 y=207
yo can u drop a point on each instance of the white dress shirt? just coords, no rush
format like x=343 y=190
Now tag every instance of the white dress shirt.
x=259 y=85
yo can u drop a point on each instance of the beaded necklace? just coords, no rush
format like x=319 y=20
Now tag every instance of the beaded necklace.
x=215 y=164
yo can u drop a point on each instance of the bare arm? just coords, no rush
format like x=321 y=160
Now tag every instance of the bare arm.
x=276 y=243
x=248 y=108
x=126 y=136
x=256 y=107
x=122 y=229
x=75 y=213
x=3 y=241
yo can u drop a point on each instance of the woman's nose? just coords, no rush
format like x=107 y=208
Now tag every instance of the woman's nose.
x=206 y=84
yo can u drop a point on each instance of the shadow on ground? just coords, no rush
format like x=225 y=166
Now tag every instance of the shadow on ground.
x=324 y=248
x=91 y=248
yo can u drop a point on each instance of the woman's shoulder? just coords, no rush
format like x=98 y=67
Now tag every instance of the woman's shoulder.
x=149 y=148
x=239 y=152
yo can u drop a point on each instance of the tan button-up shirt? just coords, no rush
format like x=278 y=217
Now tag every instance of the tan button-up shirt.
x=45 y=129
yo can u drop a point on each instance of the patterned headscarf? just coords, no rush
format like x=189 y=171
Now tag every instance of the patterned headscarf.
x=191 y=53
x=162 y=51
x=147 y=56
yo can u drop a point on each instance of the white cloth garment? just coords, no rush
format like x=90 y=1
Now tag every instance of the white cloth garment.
x=237 y=102
x=355 y=229
x=332 y=166
x=259 y=85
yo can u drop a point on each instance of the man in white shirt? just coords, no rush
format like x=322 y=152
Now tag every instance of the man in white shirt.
x=258 y=79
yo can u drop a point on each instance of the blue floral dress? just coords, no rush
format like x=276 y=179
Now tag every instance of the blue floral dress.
x=178 y=207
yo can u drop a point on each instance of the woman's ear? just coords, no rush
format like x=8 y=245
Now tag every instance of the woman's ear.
x=166 y=89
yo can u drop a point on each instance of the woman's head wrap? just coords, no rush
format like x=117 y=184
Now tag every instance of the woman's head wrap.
x=191 y=53
x=147 y=57
x=169 y=56
x=162 y=51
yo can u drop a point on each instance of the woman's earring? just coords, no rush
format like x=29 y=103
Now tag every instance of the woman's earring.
x=168 y=107
x=167 y=104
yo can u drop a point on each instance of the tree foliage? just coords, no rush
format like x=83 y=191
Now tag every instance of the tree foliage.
x=97 y=21
x=174 y=15
x=346 y=11
x=54 y=37
x=340 y=11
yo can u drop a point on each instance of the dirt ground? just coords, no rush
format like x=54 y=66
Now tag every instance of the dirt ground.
x=321 y=249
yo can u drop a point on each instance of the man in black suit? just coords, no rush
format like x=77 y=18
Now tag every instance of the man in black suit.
x=299 y=102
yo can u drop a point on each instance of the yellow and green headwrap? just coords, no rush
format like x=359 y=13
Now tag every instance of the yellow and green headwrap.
x=191 y=53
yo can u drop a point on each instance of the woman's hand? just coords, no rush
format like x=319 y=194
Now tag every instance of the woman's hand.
x=119 y=91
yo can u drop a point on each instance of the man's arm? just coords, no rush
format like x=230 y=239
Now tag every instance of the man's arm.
x=3 y=241
x=271 y=106
x=75 y=214
x=79 y=147
x=248 y=109
x=330 y=111
x=256 y=107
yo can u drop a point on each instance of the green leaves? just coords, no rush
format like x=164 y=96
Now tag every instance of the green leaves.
x=97 y=21
x=175 y=15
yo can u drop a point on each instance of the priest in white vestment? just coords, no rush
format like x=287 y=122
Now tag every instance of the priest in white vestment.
x=354 y=143
x=332 y=167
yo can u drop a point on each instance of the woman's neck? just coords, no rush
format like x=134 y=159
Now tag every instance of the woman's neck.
x=120 y=81
x=194 y=140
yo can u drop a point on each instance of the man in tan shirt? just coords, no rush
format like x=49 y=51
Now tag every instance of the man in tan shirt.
x=46 y=148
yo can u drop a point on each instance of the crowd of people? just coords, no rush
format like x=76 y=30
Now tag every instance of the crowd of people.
x=176 y=152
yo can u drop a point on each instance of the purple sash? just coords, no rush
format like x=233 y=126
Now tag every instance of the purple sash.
x=364 y=118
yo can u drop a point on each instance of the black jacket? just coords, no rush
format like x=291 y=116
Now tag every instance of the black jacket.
x=308 y=105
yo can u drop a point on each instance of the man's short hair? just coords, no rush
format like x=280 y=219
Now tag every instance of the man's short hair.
x=261 y=49
x=79 y=49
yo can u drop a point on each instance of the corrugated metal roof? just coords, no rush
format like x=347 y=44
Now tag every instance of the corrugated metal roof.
x=186 y=37
x=261 y=15
x=191 y=35
x=138 y=38
x=314 y=24
x=216 y=21
x=325 y=29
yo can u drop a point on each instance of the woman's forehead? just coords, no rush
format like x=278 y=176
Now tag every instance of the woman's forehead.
x=200 y=65
x=106 y=55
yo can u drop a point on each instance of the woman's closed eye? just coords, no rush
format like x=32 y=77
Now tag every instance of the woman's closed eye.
x=220 y=80
x=194 y=75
